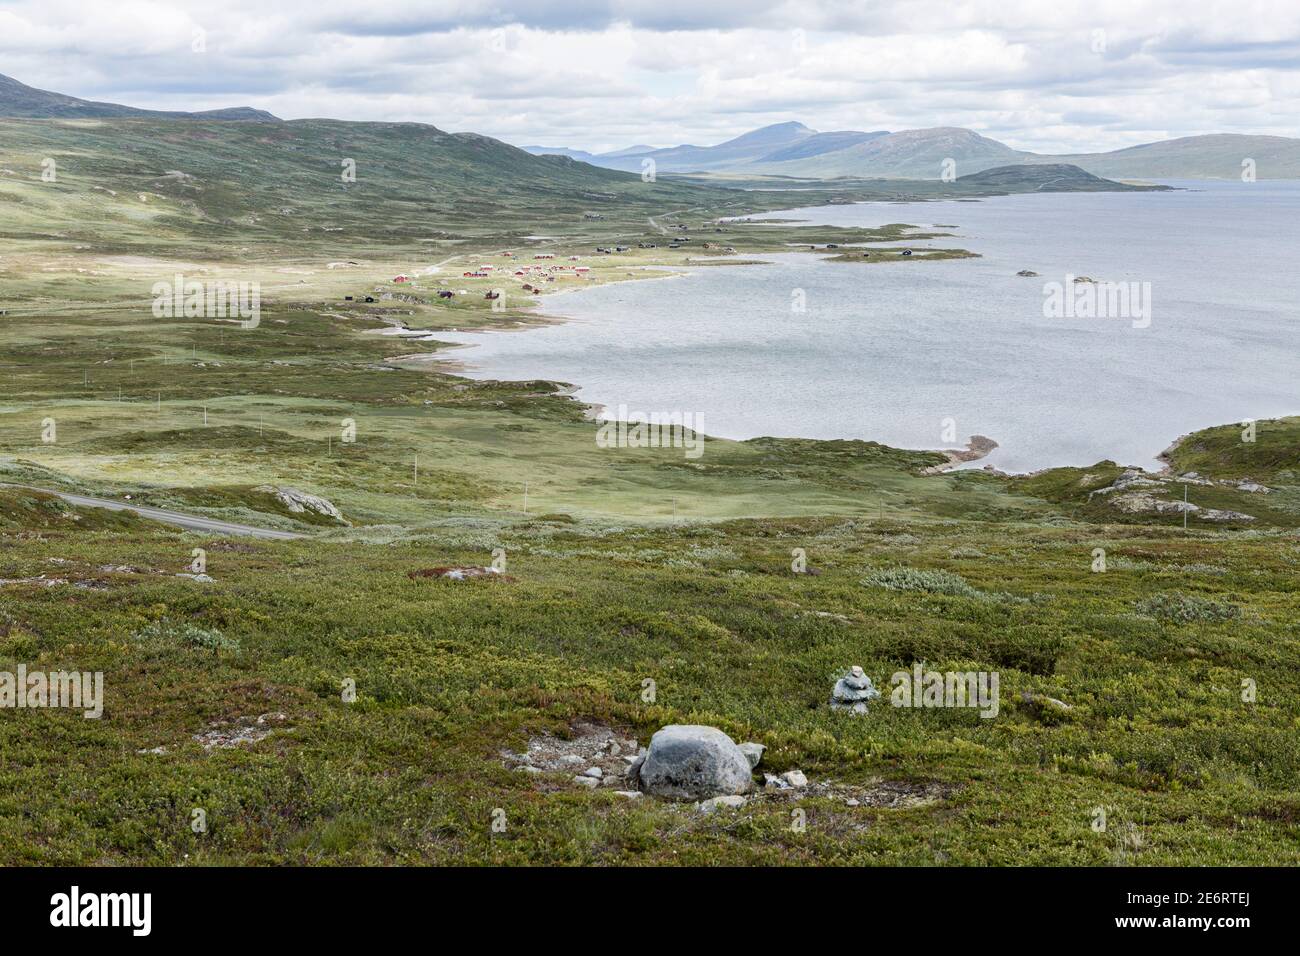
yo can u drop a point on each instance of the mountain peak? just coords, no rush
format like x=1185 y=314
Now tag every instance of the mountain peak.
x=774 y=135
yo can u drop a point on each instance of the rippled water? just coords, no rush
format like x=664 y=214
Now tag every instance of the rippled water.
x=890 y=352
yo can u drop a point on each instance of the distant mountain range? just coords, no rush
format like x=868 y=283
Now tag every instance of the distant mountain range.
x=19 y=100
x=795 y=150
x=207 y=181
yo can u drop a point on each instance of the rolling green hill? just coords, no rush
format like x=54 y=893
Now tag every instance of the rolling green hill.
x=127 y=183
x=1217 y=156
x=19 y=99
x=1047 y=177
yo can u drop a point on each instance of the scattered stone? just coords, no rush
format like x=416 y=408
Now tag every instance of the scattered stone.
x=1131 y=478
x=1253 y=487
x=1215 y=514
x=590 y=783
x=753 y=753
x=629 y=794
x=852 y=691
x=42 y=580
x=693 y=762
x=457 y=574
x=201 y=578
x=242 y=730
x=790 y=780
x=1027 y=273
x=593 y=752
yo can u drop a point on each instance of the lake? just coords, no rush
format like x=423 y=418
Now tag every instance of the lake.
x=913 y=353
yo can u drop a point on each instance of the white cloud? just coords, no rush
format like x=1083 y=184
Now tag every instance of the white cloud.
x=605 y=73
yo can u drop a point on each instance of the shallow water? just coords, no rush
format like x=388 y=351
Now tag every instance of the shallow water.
x=911 y=353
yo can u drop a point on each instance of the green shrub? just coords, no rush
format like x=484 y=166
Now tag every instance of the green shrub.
x=913 y=579
x=1186 y=608
x=171 y=634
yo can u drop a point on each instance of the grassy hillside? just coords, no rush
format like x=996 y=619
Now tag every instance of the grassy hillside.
x=1043 y=178
x=220 y=187
x=1216 y=156
x=20 y=100
x=1121 y=688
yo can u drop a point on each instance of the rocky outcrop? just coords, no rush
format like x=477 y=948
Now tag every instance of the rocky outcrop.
x=300 y=502
x=1135 y=492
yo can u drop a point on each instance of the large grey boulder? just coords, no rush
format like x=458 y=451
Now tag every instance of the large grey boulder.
x=693 y=762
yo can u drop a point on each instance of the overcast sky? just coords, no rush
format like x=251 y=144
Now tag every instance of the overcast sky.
x=1050 y=75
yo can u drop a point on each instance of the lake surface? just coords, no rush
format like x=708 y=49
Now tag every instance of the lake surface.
x=900 y=352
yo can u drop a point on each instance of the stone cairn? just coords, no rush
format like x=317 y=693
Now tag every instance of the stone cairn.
x=852 y=691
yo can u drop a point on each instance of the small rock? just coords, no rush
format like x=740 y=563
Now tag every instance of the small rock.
x=753 y=753
x=790 y=780
x=591 y=783
x=629 y=794
x=594 y=772
x=731 y=802
x=633 y=772
x=1044 y=700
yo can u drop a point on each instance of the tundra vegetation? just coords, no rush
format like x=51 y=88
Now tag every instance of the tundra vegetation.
x=1175 y=650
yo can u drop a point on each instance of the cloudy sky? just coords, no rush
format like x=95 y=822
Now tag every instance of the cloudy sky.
x=1048 y=75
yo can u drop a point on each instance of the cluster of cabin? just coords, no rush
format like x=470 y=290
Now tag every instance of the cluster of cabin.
x=543 y=270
